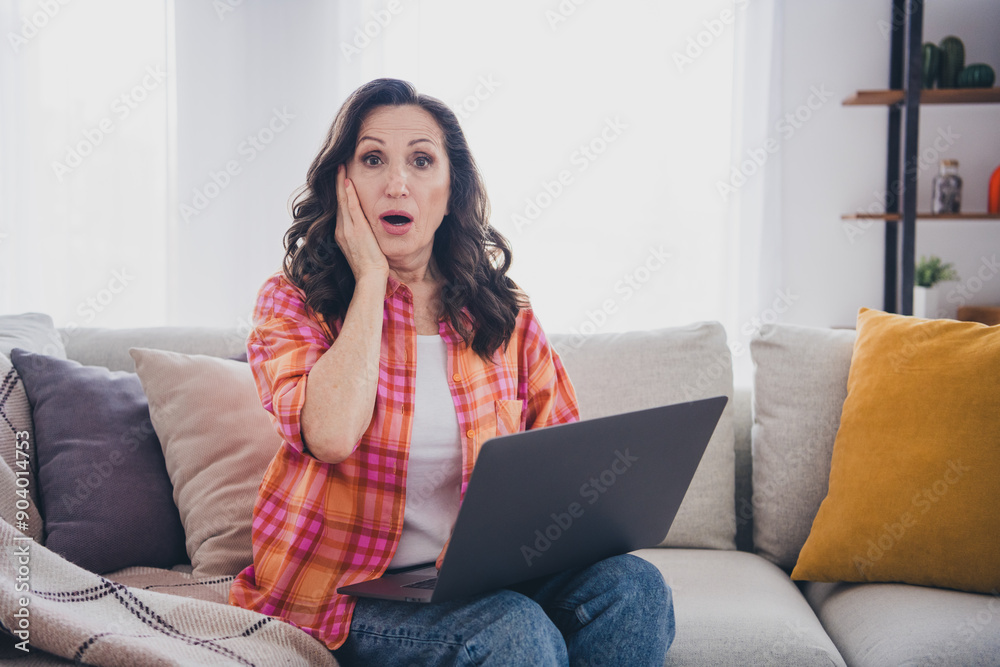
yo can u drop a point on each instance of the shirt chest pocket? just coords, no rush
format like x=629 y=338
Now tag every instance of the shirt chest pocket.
x=508 y=414
x=504 y=419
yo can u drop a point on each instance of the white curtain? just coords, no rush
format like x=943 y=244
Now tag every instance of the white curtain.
x=752 y=185
x=83 y=142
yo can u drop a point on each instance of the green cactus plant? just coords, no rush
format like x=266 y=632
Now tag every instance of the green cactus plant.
x=952 y=61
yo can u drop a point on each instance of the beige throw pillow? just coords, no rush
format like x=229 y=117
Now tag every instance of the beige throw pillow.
x=217 y=440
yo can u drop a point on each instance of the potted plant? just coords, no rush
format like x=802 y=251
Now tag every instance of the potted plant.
x=928 y=293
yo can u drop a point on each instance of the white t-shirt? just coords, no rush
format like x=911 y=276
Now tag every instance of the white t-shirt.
x=434 y=467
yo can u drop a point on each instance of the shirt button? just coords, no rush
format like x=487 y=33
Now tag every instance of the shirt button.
x=456 y=377
x=470 y=433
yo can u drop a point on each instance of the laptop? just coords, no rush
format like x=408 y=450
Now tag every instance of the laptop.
x=558 y=497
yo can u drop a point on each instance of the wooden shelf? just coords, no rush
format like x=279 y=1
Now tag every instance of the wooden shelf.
x=896 y=217
x=933 y=96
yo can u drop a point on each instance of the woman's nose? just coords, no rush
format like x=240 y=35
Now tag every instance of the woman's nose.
x=396 y=186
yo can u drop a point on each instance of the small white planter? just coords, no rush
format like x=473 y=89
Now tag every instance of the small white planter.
x=932 y=302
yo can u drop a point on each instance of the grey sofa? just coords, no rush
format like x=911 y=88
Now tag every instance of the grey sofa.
x=728 y=555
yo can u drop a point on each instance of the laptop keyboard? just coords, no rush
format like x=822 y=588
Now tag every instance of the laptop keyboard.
x=423 y=583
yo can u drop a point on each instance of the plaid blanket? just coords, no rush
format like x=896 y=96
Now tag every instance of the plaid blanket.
x=137 y=616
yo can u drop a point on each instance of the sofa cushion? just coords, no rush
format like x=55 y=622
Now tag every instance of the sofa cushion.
x=616 y=373
x=103 y=485
x=800 y=383
x=36 y=333
x=900 y=624
x=217 y=440
x=913 y=480
x=735 y=608
x=97 y=346
x=31 y=331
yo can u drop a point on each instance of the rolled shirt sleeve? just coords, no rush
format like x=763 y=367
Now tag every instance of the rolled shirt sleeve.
x=282 y=347
x=551 y=398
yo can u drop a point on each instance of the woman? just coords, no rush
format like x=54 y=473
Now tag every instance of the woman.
x=386 y=359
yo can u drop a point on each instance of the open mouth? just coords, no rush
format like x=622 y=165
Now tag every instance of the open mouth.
x=397 y=219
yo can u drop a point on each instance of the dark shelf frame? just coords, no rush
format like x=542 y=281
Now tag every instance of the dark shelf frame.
x=903 y=98
x=905 y=65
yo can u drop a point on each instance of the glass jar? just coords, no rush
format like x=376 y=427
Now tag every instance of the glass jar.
x=947 y=189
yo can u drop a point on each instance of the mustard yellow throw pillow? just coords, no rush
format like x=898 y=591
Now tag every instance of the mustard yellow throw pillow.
x=914 y=491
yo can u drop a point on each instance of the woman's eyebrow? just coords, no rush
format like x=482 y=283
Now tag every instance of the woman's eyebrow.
x=415 y=141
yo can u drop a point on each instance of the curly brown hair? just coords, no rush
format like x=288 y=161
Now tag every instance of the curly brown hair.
x=472 y=256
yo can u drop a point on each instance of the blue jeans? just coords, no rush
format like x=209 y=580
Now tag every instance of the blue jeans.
x=618 y=611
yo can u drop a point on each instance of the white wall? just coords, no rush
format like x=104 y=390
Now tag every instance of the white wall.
x=835 y=162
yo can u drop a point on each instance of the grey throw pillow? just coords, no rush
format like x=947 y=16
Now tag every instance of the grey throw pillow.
x=103 y=485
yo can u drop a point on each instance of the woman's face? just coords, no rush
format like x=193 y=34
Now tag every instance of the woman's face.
x=401 y=172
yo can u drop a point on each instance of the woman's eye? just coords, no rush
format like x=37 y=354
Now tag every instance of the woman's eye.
x=371 y=160
x=422 y=161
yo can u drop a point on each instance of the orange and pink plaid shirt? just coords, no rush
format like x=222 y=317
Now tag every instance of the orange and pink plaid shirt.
x=318 y=526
